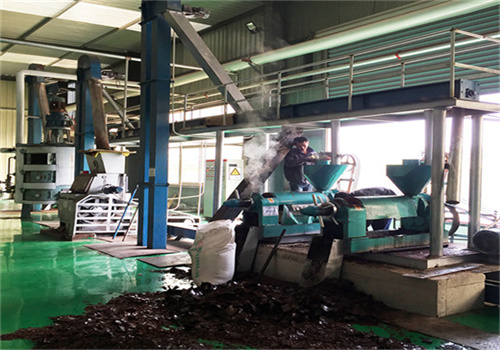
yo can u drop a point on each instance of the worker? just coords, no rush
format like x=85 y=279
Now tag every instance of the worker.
x=300 y=155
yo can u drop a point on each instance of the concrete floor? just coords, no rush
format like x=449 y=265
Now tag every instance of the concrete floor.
x=42 y=278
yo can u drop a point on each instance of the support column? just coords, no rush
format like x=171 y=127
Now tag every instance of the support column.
x=476 y=169
x=453 y=184
x=428 y=136
x=335 y=127
x=437 y=182
x=89 y=68
x=219 y=146
x=154 y=133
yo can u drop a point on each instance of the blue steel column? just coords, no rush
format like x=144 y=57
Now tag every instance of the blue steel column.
x=89 y=67
x=155 y=92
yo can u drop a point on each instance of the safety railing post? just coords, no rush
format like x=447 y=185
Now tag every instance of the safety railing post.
x=351 y=82
x=452 y=62
x=184 y=114
x=403 y=76
x=278 y=96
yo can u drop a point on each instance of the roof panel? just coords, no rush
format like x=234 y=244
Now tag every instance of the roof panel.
x=115 y=42
x=14 y=24
x=70 y=33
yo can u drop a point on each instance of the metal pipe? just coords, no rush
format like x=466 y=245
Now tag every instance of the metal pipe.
x=219 y=144
x=118 y=109
x=411 y=18
x=428 y=136
x=455 y=159
x=476 y=169
x=335 y=140
x=437 y=183
x=82 y=51
x=20 y=95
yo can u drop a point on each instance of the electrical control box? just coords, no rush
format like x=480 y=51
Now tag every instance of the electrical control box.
x=232 y=174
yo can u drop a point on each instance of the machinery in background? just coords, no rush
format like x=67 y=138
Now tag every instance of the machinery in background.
x=8 y=185
x=43 y=170
x=232 y=174
x=266 y=215
x=98 y=202
x=58 y=122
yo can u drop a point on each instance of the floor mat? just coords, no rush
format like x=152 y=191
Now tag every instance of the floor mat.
x=51 y=224
x=126 y=250
x=168 y=260
x=121 y=250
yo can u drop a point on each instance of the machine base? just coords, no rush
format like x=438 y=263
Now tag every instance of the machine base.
x=457 y=290
x=418 y=257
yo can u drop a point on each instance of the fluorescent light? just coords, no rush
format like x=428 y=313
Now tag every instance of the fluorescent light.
x=35 y=7
x=22 y=58
x=101 y=15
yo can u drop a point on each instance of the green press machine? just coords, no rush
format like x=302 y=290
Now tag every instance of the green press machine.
x=324 y=216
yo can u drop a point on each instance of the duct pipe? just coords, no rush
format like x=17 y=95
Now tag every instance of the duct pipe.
x=476 y=169
x=410 y=16
x=99 y=115
x=20 y=96
x=455 y=158
x=437 y=182
x=335 y=139
x=82 y=51
x=118 y=109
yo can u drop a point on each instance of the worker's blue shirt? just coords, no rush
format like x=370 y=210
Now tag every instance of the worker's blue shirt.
x=294 y=165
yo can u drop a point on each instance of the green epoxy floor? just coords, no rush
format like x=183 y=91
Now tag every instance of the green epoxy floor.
x=42 y=278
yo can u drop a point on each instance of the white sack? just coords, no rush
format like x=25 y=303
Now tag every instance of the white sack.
x=213 y=253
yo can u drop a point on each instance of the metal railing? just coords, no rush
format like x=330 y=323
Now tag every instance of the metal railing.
x=433 y=57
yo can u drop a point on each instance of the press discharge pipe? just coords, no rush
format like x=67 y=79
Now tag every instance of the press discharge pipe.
x=412 y=17
x=20 y=95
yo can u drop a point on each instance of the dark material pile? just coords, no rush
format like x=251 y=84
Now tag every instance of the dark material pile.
x=235 y=315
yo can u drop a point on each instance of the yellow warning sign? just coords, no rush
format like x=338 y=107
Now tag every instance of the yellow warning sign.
x=235 y=172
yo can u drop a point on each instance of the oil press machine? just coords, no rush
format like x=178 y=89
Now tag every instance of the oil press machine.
x=327 y=215
x=347 y=217
x=266 y=215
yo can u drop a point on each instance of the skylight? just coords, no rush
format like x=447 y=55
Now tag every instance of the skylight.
x=35 y=7
x=101 y=15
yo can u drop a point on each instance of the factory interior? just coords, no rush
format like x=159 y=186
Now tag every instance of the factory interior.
x=145 y=153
